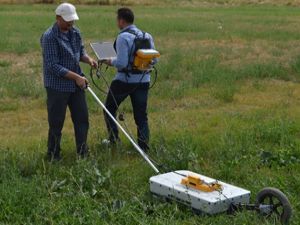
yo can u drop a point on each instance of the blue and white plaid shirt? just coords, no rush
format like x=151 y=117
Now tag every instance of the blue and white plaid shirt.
x=61 y=53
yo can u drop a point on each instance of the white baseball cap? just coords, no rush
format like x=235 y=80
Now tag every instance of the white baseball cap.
x=67 y=11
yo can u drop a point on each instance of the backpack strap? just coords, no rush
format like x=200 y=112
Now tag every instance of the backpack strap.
x=125 y=31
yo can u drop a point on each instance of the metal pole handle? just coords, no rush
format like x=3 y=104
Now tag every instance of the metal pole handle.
x=143 y=154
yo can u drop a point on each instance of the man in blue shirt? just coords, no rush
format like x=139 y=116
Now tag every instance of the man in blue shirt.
x=64 y=81
x=129 y=81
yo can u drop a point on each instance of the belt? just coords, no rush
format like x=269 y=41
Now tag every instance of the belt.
x=133 y=72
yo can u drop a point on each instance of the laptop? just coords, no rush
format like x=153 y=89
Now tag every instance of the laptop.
x=104 y=50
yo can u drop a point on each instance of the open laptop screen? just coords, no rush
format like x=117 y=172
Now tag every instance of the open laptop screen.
x=103 y=50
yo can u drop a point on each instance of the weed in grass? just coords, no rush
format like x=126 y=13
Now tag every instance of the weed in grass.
x=257 y=84
x=277 y=134
x=180 y=154
x=260 y=71
x=4 y=63
x=173 y=90
x=296 y=65
x=172 y=67
x=279 y=131
x=281 y=157
x=8 y=106
x=205 y=71
x=225 y=91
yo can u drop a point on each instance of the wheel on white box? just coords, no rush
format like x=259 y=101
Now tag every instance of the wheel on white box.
x=274 y=204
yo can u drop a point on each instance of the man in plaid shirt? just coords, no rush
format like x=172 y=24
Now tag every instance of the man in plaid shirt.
x=64 y=81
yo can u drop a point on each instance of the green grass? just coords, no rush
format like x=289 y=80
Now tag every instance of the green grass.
x=226 y=104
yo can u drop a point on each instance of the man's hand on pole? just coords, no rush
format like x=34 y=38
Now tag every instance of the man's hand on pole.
x=81 y=82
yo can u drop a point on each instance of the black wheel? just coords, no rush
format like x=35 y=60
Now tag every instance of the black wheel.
x=272 y=203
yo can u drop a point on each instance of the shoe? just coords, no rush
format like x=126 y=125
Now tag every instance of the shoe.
x=146 y=150
x=53 y=157
x=83 y=155
x=83 y=150
x=144 y=146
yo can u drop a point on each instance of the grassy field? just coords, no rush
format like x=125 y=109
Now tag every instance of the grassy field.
x=226 y=104
x=162 y=3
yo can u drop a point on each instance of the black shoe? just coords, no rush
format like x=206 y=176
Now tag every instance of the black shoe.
x=83 y=155
x=144 y=146
x=83 y=151
x=146 y=150
x=114 y=141
x=53 y=157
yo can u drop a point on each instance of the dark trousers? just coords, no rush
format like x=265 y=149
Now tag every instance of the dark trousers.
x=57 y=103
x=138 y=94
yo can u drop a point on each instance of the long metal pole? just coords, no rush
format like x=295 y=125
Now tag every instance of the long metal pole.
x=143 y=154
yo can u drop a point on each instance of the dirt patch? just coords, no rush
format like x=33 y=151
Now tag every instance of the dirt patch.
x=27 y=63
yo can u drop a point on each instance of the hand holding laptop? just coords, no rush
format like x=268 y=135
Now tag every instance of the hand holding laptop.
x=104 y=51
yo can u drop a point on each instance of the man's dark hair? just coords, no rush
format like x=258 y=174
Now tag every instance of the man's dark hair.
x=126 y=14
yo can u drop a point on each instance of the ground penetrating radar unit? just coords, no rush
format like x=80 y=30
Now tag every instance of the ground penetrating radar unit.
x=202 y=194
x=198 y=191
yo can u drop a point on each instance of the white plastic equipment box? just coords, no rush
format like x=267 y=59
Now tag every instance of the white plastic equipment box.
x=169 y=186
